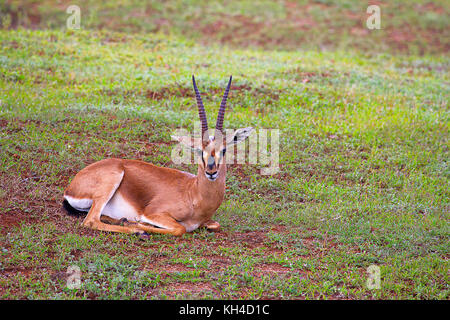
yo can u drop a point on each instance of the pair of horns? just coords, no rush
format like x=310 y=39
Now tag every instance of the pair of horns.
x=202 y=113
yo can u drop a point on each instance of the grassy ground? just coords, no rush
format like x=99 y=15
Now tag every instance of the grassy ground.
x=417 y=26
x=363 y=179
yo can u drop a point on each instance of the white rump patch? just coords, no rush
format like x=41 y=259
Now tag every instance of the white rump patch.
x=79 y=204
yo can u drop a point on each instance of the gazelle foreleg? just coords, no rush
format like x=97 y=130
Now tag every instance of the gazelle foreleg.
x=121 y=222
x=161 y=223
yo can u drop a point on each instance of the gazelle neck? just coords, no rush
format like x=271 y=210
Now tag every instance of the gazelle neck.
x=212 y=191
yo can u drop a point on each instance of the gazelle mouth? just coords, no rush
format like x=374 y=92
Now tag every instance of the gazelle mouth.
x=211 y=176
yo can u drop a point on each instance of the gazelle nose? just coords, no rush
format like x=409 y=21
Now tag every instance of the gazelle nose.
x=211 y=162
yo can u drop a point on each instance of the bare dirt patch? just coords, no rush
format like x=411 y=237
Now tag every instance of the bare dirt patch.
x=251 y=239
x=219 y=262
x=11 y=219
x=174 y=268
x=168 y=92
x=13 y=193
x=267 y=268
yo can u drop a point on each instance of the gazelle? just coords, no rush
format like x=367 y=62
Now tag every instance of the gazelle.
x=139 y=197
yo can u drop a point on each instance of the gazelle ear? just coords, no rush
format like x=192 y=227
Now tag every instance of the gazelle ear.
x=240 y=135
x=193 y=143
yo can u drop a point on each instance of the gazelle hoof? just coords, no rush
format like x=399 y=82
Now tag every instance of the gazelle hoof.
x=212 y=226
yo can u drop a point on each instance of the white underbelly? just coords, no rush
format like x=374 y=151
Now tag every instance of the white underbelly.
x=118 y=208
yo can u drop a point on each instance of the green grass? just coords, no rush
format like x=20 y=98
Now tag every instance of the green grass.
x=363 y=179
x=417 y=27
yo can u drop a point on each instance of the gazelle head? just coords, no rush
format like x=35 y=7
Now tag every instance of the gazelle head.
x=212 y=149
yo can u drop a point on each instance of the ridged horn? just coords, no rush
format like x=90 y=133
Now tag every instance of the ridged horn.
x=201 y=109
x=223 y=105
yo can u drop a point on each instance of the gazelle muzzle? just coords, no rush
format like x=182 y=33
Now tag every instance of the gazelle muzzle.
x=212 y=176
